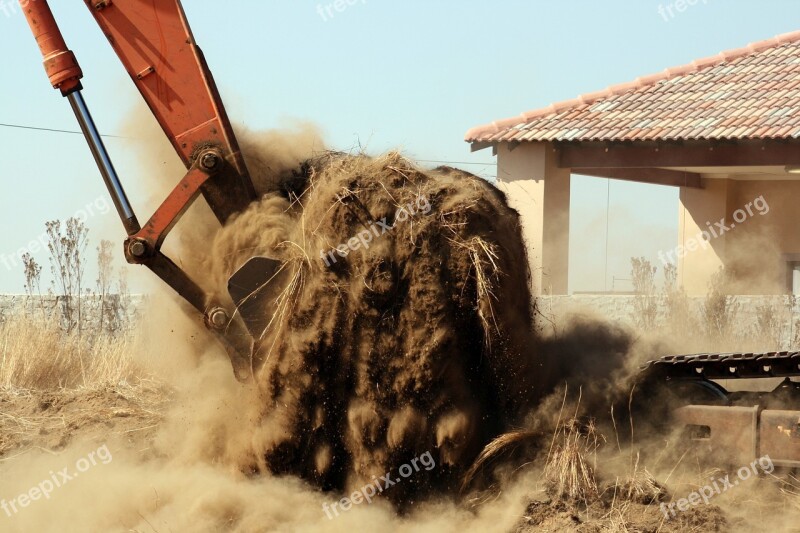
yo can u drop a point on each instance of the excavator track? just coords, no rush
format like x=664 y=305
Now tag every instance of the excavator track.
x=738 y=426
x=726 y=366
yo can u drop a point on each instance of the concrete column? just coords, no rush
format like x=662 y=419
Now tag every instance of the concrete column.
x=700 y=251
x=540 y=191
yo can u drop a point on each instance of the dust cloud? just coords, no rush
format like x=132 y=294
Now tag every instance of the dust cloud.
x=400 y=325
x=188 y=476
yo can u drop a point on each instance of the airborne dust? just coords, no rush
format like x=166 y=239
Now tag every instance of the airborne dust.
x=419 y=339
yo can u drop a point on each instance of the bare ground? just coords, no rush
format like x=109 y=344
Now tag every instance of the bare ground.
x=51 y=420
x=131 y=416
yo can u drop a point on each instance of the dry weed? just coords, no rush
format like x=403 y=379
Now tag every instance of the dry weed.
x=568 y=473
x=36 y=354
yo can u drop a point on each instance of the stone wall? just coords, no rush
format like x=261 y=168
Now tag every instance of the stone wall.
x=50 y=306
x=615 y=308
x=621 y=309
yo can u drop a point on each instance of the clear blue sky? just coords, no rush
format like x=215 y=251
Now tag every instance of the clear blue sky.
x=413 y=74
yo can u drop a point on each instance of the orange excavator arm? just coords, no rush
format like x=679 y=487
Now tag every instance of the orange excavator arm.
x=155 y=44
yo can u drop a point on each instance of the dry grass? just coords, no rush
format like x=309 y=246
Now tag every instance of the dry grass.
x=642 y=488
x=569 y=476
x=36 y=354
x=615 y=522
x=54 y=385
x=483 y=257
x=508 y=442
x=790 y=487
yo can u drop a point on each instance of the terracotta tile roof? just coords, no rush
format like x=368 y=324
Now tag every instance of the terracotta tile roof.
x=747 y=93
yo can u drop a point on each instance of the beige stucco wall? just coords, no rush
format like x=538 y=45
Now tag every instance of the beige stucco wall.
x=754 y=247
x=697 y=256
x=540 y=191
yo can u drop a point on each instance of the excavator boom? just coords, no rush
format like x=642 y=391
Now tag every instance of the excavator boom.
x=155 y=45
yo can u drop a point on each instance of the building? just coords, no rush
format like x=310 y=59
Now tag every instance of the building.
x=724 y=129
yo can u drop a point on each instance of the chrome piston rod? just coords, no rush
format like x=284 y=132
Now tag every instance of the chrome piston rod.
x=104 y=163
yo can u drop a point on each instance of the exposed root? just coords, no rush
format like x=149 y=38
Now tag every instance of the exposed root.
x=506 y=443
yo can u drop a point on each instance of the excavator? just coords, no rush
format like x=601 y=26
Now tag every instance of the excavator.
x=155 y=44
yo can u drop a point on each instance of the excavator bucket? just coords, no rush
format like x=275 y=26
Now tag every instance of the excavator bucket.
x=254 y=289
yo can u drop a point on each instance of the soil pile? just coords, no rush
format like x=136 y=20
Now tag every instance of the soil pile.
x=400 y=323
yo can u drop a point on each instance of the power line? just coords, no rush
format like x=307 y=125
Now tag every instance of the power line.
x=73 y=132
x=452 y=162
x=52 y=130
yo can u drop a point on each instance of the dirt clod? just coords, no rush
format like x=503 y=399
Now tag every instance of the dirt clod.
x=402 y=325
